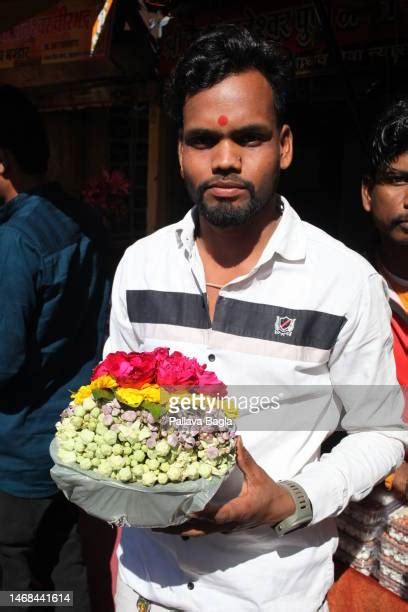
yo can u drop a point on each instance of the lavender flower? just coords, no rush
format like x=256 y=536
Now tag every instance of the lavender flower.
x=212 y=452
x=151 y=442
x=172 y=440
x=129 y=416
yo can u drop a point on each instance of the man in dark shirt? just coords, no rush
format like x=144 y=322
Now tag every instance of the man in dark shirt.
x=54 y=296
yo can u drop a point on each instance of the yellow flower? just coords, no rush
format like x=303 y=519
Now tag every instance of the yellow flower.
x=151 y=393
x=81 y=394
x=104 y=382
x=131 y=397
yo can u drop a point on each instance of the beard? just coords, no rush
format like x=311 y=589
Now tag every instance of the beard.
x=225 y=212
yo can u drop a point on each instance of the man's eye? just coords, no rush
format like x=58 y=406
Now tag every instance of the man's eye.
x=251 y=140
x=202 y=142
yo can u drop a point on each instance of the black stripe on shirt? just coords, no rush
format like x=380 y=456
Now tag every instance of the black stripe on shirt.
x=246 y=319
x=167 y=307
x=312 y=328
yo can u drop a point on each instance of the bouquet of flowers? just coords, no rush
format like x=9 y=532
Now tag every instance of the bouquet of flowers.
x=122 y=436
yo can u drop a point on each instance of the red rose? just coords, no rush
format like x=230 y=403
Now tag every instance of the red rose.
x=142 y=367
x=115 y=364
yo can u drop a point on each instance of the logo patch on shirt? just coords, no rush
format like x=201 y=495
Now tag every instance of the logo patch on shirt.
x=284 y=326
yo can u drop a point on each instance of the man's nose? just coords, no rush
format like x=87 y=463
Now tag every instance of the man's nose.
x=226 y=158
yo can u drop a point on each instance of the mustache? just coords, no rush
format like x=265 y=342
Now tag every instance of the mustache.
x=236 y=180
x=403 y=218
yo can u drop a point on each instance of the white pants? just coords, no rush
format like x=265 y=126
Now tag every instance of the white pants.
x=127 y=600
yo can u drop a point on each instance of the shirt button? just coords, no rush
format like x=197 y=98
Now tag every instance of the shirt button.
x=211 y=357
x=190 y=586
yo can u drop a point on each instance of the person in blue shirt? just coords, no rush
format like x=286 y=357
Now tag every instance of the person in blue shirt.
x=54 y=295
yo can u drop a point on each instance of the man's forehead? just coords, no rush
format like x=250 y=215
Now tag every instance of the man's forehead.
x=231 y=99
x=400 y=162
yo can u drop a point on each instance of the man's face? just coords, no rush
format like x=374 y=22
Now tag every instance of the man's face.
x=231 y=149
x=388 y=202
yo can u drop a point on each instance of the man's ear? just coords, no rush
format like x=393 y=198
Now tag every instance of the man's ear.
x=3 y=162
x=366 y=196
x=180 y=156
x=286 y=147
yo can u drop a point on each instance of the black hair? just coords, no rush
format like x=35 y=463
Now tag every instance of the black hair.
x=388 y=140
x=221 y=52
x=22 y=131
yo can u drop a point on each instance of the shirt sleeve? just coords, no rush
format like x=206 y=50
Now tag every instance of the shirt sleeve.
x=20 y=268
x=362 y=372
x=121 y=334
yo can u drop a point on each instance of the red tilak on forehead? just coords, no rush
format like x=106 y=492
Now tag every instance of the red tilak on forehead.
x=222 y=120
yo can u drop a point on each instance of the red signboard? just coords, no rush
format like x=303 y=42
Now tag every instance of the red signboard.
x=365 y=31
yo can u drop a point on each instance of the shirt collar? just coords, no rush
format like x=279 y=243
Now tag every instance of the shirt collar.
x=288 y=239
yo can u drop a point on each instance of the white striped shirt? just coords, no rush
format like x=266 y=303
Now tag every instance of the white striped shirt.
x=311 y=318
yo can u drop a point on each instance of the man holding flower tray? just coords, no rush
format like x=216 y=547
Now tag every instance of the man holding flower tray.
x=241 y=283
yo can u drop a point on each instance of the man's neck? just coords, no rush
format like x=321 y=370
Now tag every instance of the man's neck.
x=230 y=246
x=22 y=184
x=394 y=258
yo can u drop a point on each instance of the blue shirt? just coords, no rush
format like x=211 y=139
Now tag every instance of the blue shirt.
x=54 y=293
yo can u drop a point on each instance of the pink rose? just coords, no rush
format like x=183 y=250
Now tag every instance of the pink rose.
x=177 y=370
x=209 y=384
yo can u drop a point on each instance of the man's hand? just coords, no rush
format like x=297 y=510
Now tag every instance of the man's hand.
x=261 y=501
x=399 y=484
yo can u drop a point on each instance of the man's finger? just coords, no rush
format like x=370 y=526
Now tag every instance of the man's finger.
x=245 y=461
x=208 y=513
x=235 y=511
x=194 y=529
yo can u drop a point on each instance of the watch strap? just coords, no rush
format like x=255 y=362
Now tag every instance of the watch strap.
x=303 y=513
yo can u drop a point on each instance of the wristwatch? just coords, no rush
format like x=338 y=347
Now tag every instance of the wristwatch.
x=303 y=513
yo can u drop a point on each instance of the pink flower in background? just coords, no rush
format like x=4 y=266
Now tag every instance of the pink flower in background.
x=109 y=194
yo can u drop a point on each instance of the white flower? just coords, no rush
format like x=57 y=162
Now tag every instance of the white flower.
x=68 y=445
x=162 y=478
x=152 y=464
x=192 y=471
x=116 y=461
x=125 y=474
x=89 y=403
x=137 y=471
x=105 y=468
x=139 y=456
x=85 y=464
x=205 y=470
x=67 y=456
x=87 y=435
x=174 y=473
x=162 y=448
x=149 y=478
x=110 y=437
x=106 y=449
